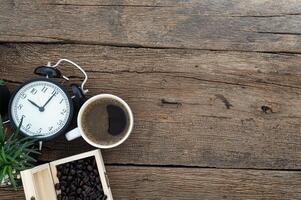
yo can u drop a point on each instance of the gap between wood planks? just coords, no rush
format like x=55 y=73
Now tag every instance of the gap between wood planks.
x=197 y=167
x=184 y=166
x=61 y=41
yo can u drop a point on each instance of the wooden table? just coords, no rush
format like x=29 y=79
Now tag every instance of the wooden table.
x=215 y=86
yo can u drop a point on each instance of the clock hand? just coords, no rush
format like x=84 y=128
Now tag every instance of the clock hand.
x=48 y=101
x=36 y=105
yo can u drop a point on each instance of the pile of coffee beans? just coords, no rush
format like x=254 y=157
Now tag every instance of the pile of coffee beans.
x=79 y=180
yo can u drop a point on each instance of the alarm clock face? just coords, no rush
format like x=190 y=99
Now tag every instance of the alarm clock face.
x=44 y=106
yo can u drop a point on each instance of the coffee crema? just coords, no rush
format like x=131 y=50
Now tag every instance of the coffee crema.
x=105 y=121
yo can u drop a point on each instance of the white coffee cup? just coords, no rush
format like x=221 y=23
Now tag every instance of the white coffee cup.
x=78 y=132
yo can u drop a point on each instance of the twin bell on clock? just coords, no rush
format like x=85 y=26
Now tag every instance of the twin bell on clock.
x=43 y=104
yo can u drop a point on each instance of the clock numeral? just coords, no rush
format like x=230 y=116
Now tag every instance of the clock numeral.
x=61 y=101
x=39 y=130
x=50 y=128
x=20 y=106
x=28 y=126
x=44 y=89
x=63 y=111
x=54 y=92
x=60 y=122
x=33 y=91
x=23 y=95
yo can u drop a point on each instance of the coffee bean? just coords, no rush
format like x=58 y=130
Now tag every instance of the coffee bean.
x=66 y=171
x=59 y=167
x=63 y=183
x=59 y=174
x=69 y=178
x=86 y=179
x=72 y=171
x=73 y=187
x=97 y=180
x=81 y=183
x=87 y=189
x=79 y=190
x=99 y=188
x=57 y=186
x=94 y=163
x=94 y=196
x=80 y=180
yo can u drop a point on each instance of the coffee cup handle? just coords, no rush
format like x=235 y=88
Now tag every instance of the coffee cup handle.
x=73 y=134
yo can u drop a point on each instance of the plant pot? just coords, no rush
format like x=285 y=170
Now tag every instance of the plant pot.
x=4 y=99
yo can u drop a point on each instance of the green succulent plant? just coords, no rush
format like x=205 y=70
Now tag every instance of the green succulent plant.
x=2 y=82
x=15 y=154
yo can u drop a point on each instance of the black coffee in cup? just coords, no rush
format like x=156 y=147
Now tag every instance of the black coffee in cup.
x=105 y=121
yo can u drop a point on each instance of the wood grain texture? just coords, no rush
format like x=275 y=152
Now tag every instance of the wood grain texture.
x=249 y=25
x=191 y=107
x=155 y=183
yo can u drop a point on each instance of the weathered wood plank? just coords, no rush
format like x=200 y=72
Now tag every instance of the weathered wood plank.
x=179 y=183
x=253 y=25
x=192 y=107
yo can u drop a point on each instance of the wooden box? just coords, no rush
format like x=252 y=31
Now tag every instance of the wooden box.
x=39 y=182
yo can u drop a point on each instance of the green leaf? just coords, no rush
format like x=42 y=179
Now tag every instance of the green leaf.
x=2 y=136
x=11 y=159
x=3 y=173
x=18 y=129
x=12 y=139
x=34 y=151
x=29 y=158
x=16 y=133
x=3 y=155
x=1 y=161
x=26 y=140
x=15 y=153
x=12 y=178
x=2 y=82
x=18 y=152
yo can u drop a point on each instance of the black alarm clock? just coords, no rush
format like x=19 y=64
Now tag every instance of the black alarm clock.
x=43 y=105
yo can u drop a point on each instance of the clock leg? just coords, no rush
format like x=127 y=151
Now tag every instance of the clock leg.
x=40 y=145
